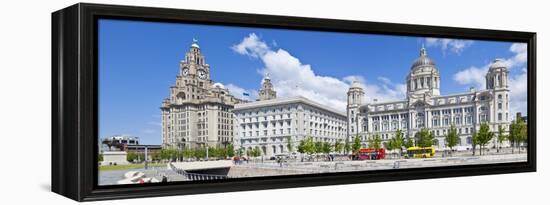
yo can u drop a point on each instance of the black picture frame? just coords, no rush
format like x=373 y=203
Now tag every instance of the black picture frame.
x=75 y=103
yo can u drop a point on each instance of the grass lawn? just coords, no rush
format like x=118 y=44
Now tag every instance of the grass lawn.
x=129 y=166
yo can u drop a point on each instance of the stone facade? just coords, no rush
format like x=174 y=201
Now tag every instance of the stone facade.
x=269 y=124
x=267 y=92
x=198 y=111
x=424 y=107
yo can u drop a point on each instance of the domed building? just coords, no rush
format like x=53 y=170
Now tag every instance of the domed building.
x=423 y=77
x=197 y=112
x=425 y=107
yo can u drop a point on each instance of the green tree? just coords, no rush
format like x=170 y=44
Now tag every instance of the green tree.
x=156 y=156
x=409 y=143
x=257 y=152
x=166 y=154
x=289 y=145
x=452 y=138
x=306 y=146
x=483 y=136
x=318 y=147
x=347 y=146
x=424 y=138
x=389 y=145
x=474 y=143
x=501 y=137
x=132 y=156
x=302 y=146
x=187 y=153
x=199 y=153
x=230 y=150
x=356 y=144
x=240 y=151
x=310 y=146
x=520 y=133
x=514 y=134
x=523 y=132
x=338 y=146
x=374 y=141
x=100 y=157
x=250 y=152
x=398 y=141
x=326 y=148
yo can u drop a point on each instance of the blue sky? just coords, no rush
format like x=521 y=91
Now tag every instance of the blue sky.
x=138 y=61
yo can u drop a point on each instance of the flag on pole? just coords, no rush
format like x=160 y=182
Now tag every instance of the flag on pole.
x=246 y=94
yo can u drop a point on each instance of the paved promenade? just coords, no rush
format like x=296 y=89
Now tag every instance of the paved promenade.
x=258 y=168
x=346 y=166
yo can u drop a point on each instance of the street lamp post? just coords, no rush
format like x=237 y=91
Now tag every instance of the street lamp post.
x=206 y=145
x=145 y=157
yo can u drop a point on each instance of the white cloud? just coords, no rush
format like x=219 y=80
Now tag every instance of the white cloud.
x=384 y=80
x=291 y=77
x=251 y=46
x=520 y=57
x=454 y=45
x=475 y=76
x=518 y=93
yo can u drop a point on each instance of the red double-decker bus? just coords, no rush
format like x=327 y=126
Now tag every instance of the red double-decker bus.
x=370 y=154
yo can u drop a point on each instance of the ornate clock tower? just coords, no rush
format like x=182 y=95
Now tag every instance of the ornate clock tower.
x=197 y=112
x=194 y=65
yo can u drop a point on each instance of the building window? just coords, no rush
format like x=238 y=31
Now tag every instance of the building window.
x=434 y=122
x=500 y=106
x=499 y=116
x=482 y=117
x=458 y=120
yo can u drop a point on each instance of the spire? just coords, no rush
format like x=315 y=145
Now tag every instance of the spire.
x=423 y=51
x=195 y=43
x=266 y=76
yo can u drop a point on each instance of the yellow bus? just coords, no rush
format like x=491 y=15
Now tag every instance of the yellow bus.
x=419 y=152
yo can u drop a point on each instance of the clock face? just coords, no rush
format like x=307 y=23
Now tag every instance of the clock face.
x=185 y=71
x=202 y=74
